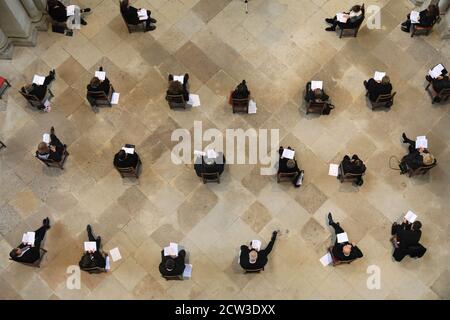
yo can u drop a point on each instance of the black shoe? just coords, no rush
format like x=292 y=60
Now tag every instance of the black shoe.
x=46 y=223
x=85 y=10
x=152 y=20
x=404 y=137
x=150 y=28
x=328 y=20
x=83 y=22
x=274 y=234
x=100 y=69
x=330 y=219
x=186 y=77
x=330 y=29
x=405 y=29
x=89 y=228
x=99 y=240
x=52 y=130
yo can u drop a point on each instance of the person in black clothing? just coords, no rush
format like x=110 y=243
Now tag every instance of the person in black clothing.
x=176 y=88
x=171 y=266
x=316 y=95
x=126 y=160
x=354 y=18
x=416 y=158
x=52 y=151
x=286 y=165
x=345 y=251
x=203 y=164
x=355 y=166
x=427 y=18
x=407 y=236
x=93 y=262
x=440 y=83
x=376 y=88
x=130 y=14
x=96 y=85
x=58 y=11
x=250 y=259
x=241 y=91
x=40 y=91
x=31 y=253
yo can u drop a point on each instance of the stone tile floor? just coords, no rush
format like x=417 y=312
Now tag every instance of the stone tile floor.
x=277 y=48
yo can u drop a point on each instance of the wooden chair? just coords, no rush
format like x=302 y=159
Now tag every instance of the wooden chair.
x=2 y=145
x=4 y=84
x=130 y=171
x=34 y=101
x=383 y=101
x=176 y=101
x=240 y=105
x=254 y=271
x=51 y=163
x=133 y=27
x=335 y=261
x=421 y=30
x=211 y=177
x=346 y=176
x=421 y=170
x=316 y=107
x=443 y=95
x=349 y=31
x=37 y=263
x=284 y=175
x=100 y=98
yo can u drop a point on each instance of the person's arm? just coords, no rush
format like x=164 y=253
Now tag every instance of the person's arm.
x=356 y=252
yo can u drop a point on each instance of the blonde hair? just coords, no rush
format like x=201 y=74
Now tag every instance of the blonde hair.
x=428 y=159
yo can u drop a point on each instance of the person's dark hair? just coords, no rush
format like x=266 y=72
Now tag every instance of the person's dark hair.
x=170 y=264
x=318 y=93
x=95 y=82
x=124 y=5
x=13 y=253
x=417 y=225
x=122 y=155
x=356 y=8
x=433 y=10
x=52 y=3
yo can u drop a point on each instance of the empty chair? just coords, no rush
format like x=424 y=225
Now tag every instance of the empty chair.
x=4 y=84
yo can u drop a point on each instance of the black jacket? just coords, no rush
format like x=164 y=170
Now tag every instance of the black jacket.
x=310 y=96
x=407 y=237
x=131 y=160
x=339 y=254
x=241 y=91
x=425 y=20
x=179 y=264
x=131 y=15
x=261 y=261
x=413 y=159
x=210 y=168
x=376 y=89
x=351 y=167
x=58 y=12
x=92 y=262
x=40 y=91
x=30 y=256
x=53 y=155
x=104 y=86
x=441 y=84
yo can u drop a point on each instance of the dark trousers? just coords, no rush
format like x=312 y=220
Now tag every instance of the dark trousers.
x=337 y=229
x=54 y=141
x=93 y=238
x=39 y=236
x=48 y=79
x=412 y=144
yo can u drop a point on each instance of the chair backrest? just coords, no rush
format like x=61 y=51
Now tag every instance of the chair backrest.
x=52 y=163
x=130 y=171
x=281 y=175
x=240 y=104
x=316 y=107
x=254 y=271
x=384 y=99
x=32 y=100
x=2 y=145
x=445 y=93
x=422 y=169
x=211 y=177
x=100 y=97
x=176 y=101
x=173 y=277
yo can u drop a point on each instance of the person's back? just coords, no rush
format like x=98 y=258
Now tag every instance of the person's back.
x=408 y=237
x=376 y=88
x=338 y=252
x=57 y=11
x=241 y=91
x=441 y=83
x=99 y=86
x=172 y=266
x=92 y=262
x=129 y=13
x=428 y=16
x=126 y=160
x=356 y=16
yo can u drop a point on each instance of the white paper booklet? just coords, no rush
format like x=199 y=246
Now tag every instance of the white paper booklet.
x=342 y=237
x=128 y=150
x=46 y=138
x=326 y=259
x=101 y=75
x=379 y=75
x=115 y=98
x=28 y=238
x=142 y=14
x=108 y=264
x=316 y=85
x=415 y=16
x=194 y=100
x=410 y=216
x=436 y=71
x=421 y=142
x=252 y=107
x=187 y=273
x=90 y=246
x=256 y=244
x=39 y=80
x=341 y=17
x=70 y=10
x=334 y=170
x=178 y=78
x=115 y=254
x=288 y=153
x=171 y=250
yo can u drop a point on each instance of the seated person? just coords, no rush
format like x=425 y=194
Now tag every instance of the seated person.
x=286 y=165
x=376 y=88
x=123 y=159
x=416 y=158
x=354 y=166
x=345 y=251
x=407 y=236
x=52 y=151
x=93 y=262
x=316 y=95
x=241 y=91
x=96 y=85
x=177 y=88
x=440 y=83
x=40 y=91
x=203 y=164
x=58 y=11
x=426 y=19
x=130 y=14
x=251 y=259
x=354 y=18
x=172 y=266
x=31 y=253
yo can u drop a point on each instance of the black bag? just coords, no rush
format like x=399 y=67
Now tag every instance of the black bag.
x=327 y=109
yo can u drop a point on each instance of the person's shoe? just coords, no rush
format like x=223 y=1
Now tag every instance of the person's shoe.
x=274 y=234
x=46 y=223
x=404 y=137
x=89 y=228
x=83 y=22
x=330 y=29
x=150 y=28
x=186 y=77
x=153 y=20
x=405 y=29
x=404 y=24
x=99 y=239
x=330 y=219
x=100 y=69
x=52 y=130
x=85 y=10
x=328 y=20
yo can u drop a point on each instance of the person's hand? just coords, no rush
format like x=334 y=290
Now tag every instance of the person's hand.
x=353 y=244
x=52 y=148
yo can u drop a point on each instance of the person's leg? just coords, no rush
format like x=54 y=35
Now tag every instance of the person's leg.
x=150 y=18
x=83 y=22
x=170 y=77
x=50 y=77
x=269 y=247
x=55 y=141
x=39 y=236
x=337 y=229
